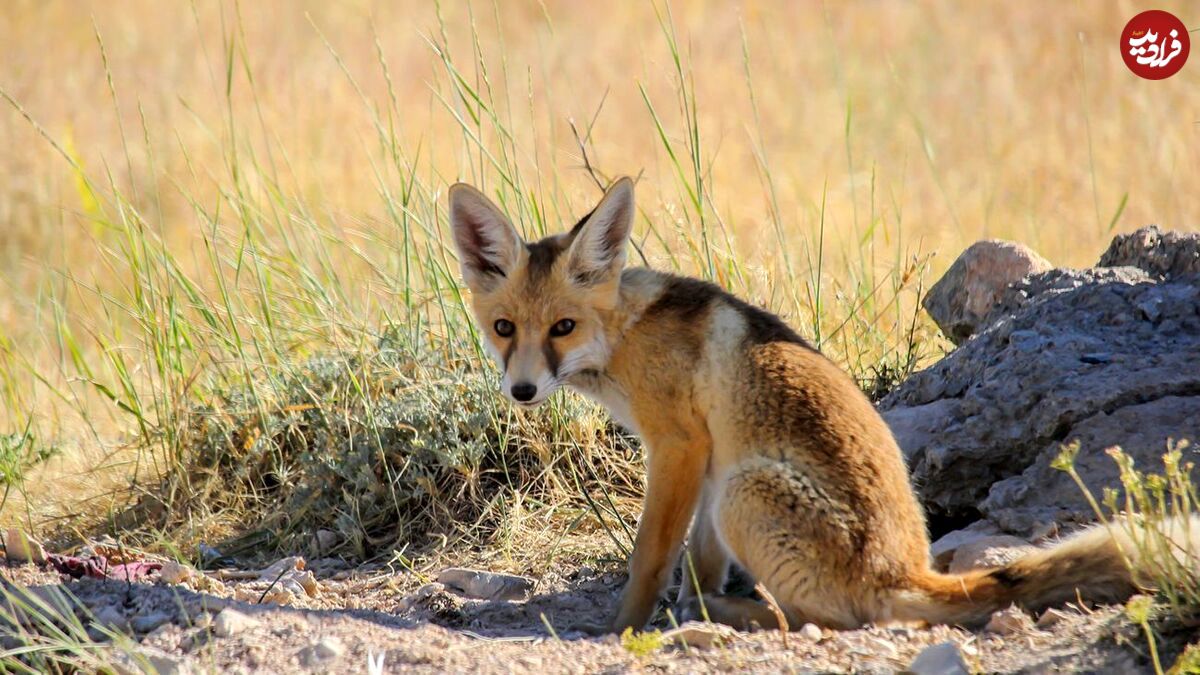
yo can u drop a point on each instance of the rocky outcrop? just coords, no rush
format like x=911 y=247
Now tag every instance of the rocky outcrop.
x=1104 y=356
x=1042 y=494
x=1160 y=253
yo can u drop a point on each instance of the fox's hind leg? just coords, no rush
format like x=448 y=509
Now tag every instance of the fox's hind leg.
x=794 y=538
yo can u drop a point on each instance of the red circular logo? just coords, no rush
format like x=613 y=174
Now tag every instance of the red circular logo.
x=1155 y=44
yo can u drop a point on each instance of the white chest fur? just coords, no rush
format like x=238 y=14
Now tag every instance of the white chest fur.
x=604 y=391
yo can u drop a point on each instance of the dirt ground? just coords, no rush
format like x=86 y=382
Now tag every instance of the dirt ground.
x=356 y=617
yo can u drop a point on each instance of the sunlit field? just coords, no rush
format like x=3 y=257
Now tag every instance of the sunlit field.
x=220 y=222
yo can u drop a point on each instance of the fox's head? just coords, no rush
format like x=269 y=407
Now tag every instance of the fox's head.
x=542 y=306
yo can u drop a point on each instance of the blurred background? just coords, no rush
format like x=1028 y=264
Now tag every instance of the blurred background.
x=195 y=196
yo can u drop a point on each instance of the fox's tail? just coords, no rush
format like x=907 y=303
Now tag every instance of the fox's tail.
x=1093 y=565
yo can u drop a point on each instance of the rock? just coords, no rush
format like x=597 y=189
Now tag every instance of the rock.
x=45 y=601
x=277 y=569
x=1065 y=355
x=1160 y=253
x=419 y=596
x=700 y=635
x=1042 y=493
x=304 y=582
x=203 y=582
x=211 y=557
x=293 y=586
x=328 y=648
x=195 y=639
x=964 y=296
x=940 y=659
x=269 y=573
x=324 y=541
x=1009 y=621
x=810 y=632
x=21 y=548
x=283 y=595
x=988 y=552
x=865 y=644
x=883 y=647
x=110 y=617
x=919 y=426
x=144 y=623
x=151 y=661
x=287 y=589
x=204 y=605
x=322 y=653
x=229 y=622
x=486 y=585
x=176 y=573
x=942 y=551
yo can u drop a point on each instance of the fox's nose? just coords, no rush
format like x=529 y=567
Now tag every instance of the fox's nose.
x=524 y=391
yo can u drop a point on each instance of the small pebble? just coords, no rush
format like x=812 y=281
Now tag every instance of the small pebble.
x=700 y=635
x=322 y=653
x=486 y=585
x=144 y=623
x=939 y=659
x=111 y=617
x=21 y=548
x=1051 y=617
x=231 y=622
x=1009 y=622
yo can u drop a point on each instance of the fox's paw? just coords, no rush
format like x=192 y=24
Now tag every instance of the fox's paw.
x=689 y=609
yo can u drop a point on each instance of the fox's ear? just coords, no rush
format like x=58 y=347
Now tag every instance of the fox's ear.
x=598 y=249
x=489 y=247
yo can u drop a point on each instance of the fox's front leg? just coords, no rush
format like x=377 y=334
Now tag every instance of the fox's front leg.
x=675 y=477
x=705 y=563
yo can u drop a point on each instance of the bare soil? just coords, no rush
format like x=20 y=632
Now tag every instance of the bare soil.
x=360 y=614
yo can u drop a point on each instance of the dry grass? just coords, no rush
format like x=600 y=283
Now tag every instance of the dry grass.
x=197 y=199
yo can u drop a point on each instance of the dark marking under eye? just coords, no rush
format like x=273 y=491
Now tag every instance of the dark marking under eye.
x=552 y=358
x=512 y=347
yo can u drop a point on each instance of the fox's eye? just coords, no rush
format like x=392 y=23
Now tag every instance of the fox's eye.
x=504 y=327
x=563 y=327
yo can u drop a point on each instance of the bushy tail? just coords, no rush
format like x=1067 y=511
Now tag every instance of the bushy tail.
x=1092 y=565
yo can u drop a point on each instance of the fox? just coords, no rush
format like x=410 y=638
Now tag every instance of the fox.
x=759 y=451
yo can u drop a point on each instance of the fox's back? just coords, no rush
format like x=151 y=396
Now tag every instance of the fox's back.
x=764 y=391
